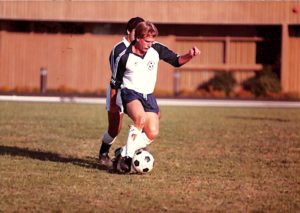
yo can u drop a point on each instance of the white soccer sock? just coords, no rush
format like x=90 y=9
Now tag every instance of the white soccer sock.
x=136 y=140
x=146 y=139
x=107 y=139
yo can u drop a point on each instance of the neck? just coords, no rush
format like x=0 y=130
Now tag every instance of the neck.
x=128 y=38
x=137 y=51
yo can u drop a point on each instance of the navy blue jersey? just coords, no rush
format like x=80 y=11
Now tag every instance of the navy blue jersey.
x=116 y=51
x=118 y=48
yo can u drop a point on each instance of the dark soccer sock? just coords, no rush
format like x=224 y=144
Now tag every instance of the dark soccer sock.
x=104 y=148
x=107 y=141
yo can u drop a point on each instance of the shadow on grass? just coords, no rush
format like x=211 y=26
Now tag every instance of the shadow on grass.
x=258 y=118
x=50 y=156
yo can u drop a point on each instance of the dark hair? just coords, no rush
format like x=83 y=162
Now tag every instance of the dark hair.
x=131 y=24
x=145 y=29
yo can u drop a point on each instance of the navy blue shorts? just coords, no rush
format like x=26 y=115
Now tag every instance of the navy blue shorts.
x=148 y=101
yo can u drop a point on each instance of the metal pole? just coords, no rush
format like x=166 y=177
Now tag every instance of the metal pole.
x=176 y=77
x=43 y=80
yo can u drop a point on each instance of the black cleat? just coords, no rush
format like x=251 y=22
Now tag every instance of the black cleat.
x=118 y=152
x=122 y=165
x=104 y=160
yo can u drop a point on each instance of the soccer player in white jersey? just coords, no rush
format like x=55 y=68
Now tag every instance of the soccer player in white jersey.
x=135 y=74
x=114 y=112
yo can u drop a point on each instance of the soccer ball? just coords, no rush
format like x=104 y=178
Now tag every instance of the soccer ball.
x=142 y=161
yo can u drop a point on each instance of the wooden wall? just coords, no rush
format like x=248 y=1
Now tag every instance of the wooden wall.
x=293 y=76
x=74 y=62
x=207 y=12
x=290 y=63
x=233 y=54
x=80 y=62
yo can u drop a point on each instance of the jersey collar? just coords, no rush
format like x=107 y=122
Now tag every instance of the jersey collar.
x=126 y=42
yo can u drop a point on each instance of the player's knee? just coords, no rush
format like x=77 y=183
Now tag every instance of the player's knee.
x=153 y=133
x=139 y=121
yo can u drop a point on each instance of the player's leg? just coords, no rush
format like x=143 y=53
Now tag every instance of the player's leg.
x=109 y=137
x=150 y=131
x=144 y=114
x=151 y=126
x=135 y=111
x=145 y=128
x=114 y=126
x=137 y=140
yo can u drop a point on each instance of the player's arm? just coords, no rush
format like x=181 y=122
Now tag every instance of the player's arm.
x=171 y=57
x=188 y=56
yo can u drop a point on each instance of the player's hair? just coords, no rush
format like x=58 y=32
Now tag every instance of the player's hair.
x=131 y=24
x=145 y=29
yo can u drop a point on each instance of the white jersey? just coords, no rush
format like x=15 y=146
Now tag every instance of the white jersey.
x=139 y=73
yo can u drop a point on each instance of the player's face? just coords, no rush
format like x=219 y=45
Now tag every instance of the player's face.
x=144 y=44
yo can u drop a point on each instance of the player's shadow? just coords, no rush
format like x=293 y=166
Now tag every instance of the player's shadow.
x=50 y=156
x=258 y=118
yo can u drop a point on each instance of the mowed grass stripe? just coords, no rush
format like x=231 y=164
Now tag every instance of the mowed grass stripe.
x=207 y=159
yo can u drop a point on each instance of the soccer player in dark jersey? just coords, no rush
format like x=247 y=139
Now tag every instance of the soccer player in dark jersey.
x=114 y=111
x=135 y=76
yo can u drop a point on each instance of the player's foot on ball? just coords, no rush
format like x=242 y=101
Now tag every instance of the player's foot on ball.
x=118 y=152
x=142 y=149
x=104 y=160
x=122 y=164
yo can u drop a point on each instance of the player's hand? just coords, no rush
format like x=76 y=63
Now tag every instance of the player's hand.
x=194 y=51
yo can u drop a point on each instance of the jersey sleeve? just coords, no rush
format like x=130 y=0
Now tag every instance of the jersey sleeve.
x=166 y=54
x=120 y=68
x=115 y=52
x=114 y=60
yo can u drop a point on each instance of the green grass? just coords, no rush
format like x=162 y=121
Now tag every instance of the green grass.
x=207 y=160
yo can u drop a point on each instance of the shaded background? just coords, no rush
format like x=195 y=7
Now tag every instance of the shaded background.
x=71 y=41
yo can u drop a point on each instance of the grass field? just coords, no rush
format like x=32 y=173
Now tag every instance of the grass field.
x=207 y=160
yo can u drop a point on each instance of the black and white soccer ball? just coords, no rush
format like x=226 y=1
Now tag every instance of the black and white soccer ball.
x=142 y=161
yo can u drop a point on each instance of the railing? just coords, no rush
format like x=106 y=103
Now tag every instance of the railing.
x=226 y=63
x=215 y=68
